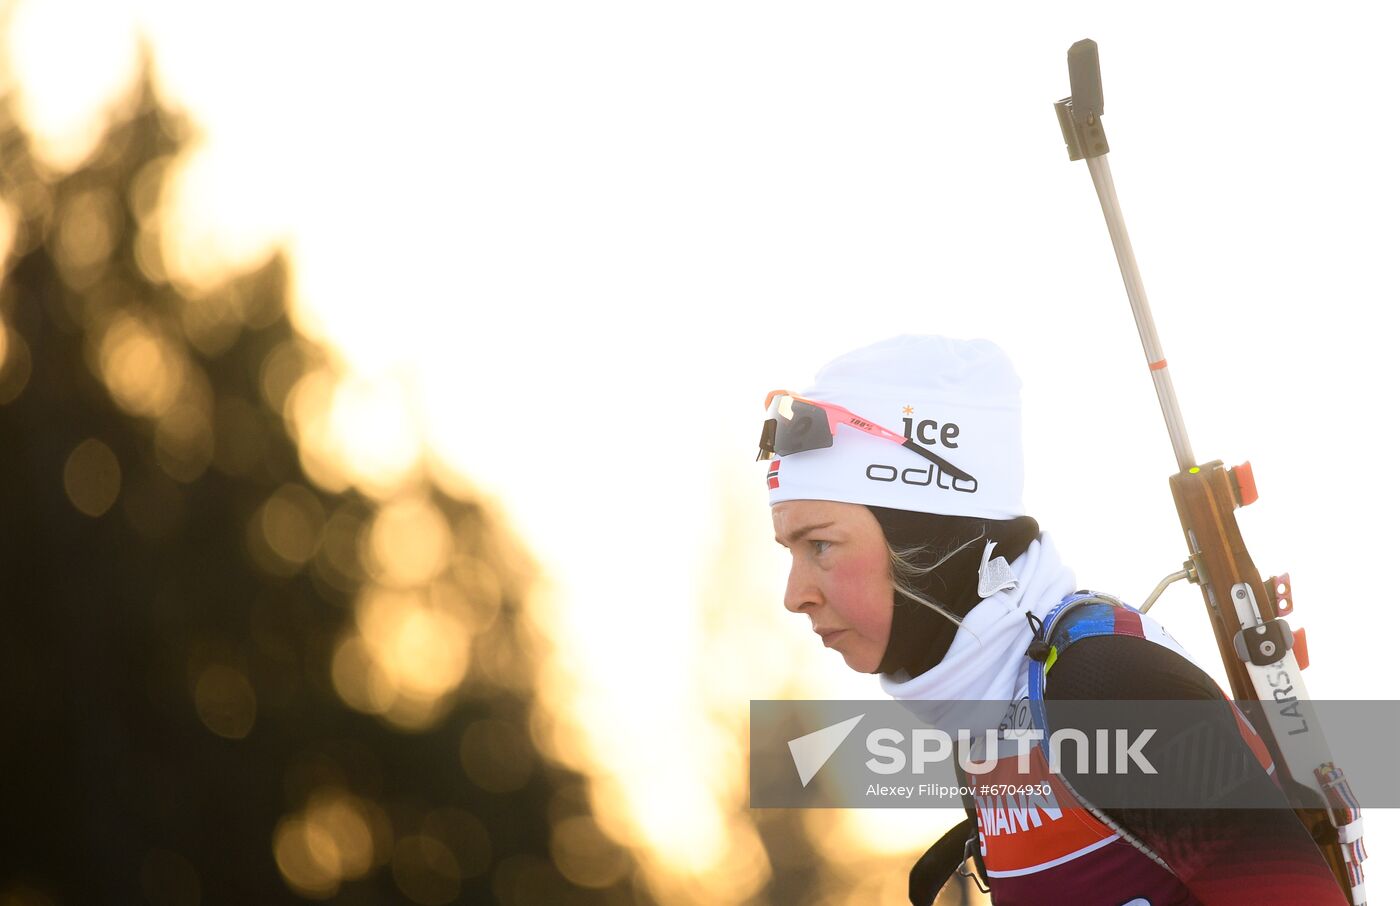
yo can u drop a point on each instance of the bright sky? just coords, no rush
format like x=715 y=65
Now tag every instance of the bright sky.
x=566 y=248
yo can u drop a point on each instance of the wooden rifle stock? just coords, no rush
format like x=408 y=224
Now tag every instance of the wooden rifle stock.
x=1206 y=499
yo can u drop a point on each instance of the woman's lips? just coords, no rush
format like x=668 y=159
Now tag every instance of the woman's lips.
x=829 y=635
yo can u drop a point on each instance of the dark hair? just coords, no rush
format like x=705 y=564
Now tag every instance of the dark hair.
x=910 y=563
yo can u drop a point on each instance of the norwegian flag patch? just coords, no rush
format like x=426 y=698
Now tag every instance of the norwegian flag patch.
x=773 y=474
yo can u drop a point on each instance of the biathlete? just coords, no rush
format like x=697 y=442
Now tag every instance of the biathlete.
x=895 y=482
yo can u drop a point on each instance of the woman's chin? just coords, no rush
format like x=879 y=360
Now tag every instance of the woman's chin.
x=861 y=662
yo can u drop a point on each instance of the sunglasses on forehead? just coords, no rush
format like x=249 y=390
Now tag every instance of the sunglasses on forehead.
x=794 y=424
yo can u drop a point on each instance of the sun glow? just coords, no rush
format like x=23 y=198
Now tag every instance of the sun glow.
x=539 y=265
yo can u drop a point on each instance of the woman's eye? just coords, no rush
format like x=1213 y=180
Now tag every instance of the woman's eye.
x=819 y=547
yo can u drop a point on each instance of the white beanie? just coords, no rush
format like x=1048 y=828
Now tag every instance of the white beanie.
x=959 y=399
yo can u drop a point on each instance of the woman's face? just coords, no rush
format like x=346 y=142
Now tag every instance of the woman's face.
x=840 y=576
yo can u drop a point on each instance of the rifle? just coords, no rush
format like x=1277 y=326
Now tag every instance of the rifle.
x=1263 y=656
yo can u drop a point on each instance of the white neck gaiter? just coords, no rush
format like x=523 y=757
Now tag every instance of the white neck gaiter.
x=985 y=659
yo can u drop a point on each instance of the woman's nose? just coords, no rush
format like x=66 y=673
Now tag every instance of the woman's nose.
x=801 y=593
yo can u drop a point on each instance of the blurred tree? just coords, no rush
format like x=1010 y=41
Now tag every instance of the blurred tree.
x=187 y=619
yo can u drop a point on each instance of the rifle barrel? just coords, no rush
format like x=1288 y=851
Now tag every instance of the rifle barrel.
x=1142 y=313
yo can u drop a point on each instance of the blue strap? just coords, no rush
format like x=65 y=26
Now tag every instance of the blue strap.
x=1079 y=615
